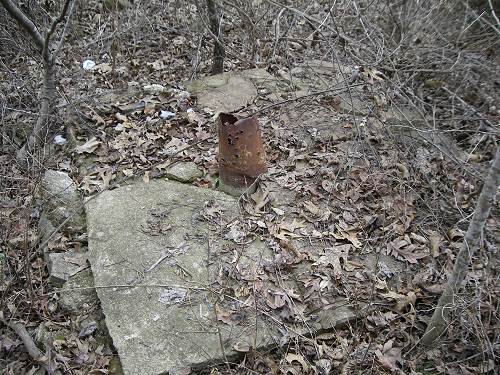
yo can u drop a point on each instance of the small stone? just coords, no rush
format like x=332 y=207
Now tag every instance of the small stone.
x=62 y=266
x=184 y=172
x=59 y=186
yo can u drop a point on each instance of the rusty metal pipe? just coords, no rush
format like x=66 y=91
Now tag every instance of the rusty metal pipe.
x=242 y=157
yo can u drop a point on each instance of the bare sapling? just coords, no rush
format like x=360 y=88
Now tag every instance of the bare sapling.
x=48 y=51
x=446 y=304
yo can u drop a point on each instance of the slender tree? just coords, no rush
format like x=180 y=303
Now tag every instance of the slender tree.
x=446 y=304
x=48 y=52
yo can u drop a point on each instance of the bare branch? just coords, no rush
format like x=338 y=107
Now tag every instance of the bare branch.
x=25 y=23
x=63 y=34
x=341 y=36
x=50 y=32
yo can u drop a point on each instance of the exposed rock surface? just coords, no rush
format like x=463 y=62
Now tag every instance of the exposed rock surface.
x=155 y=290
x=184 y=172
x=78 y=293
x=63 y=204
x=62 y=266
x=229 y=92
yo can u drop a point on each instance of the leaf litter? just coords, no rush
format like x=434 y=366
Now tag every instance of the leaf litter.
x=337 y=211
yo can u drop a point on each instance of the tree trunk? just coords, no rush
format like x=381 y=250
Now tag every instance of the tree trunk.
x=446 y=304
x=215 y=28
x=47 y=97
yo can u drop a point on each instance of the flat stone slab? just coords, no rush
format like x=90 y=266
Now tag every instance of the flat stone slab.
x=149 y=246
x=231 y=91
x=162 y=254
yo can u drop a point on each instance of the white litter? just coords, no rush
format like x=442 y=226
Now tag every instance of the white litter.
x=60 y=140
x=166 y=115
x=154 y=89
x=88 y=64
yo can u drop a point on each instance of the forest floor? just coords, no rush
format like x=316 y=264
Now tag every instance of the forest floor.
x=354 y=176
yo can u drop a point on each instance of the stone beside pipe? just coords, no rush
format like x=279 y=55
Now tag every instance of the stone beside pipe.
x=242 y=157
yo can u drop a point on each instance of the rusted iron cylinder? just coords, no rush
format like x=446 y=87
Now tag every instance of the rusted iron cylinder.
x=242 y=157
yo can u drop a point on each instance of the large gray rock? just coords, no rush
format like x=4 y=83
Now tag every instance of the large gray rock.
x=159 y=257
x=63 y=203
x=224 y=92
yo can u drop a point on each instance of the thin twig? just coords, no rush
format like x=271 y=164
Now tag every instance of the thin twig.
x=335 y=89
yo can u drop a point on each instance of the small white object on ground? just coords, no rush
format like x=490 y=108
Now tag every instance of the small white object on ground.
x=154 y=89
x=60 y=140
x=88 y=64
x=166 y=115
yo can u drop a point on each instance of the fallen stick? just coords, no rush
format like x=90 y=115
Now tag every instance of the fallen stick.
x=36 y=354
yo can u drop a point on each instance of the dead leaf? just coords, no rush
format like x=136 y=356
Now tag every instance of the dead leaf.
x=276 y=300
x=242 y=347
x=290 y=357
x=435 y=240
x=403 y=249
x=195 y=118
x=149 y=109
x=401 y=300
x=373 y=75
x=98 y=119
x=103 y=68
x=389 y=357
x=260 y=198
x=278 y=211
x=348 y=235
x=237 y=232
x=455 y=234
x=333 y=256
x=88 y=147
x=128 y=172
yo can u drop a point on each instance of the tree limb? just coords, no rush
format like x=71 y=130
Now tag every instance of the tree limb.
x=25 y=23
